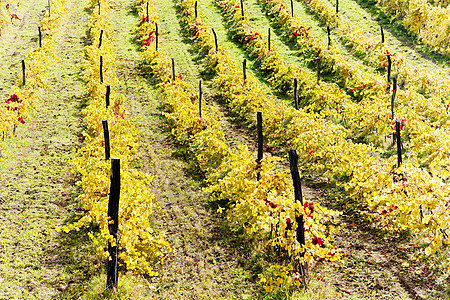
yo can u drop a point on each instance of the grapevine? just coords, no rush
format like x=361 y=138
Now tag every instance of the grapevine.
x=139 y=246
x=369 y=117
x=231 y=173
x=374 y=52
x=23 y=101
x=8 y=13
x=324 y=147
x=429 y=23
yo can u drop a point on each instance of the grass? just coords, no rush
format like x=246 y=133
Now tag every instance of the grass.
x=129 y=287
x=206 y=262
x=368 y=251
x=213 y=259
x=367 y=15
x=174 y=43
x=257 y=16
x=396 y=28
x=318 y=28
x=37 y=184
x=23 y=33
x=213 y=16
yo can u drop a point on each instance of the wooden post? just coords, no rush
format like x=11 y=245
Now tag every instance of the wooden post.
x=108 y=92
x=329 y=35
x=399 y=143
x=244 y=69
x=293 y=162
x=147 y=13
x=106 y=139
x=292 y=8
x=101 y=68
x=337 y=6
x=242 y=8
x=173 y=69
x=157 y=34
x=259 y=127
x=300 y=230
x=382 y=34
x=318 y=69
x=295 y=93
x=394 y=93
x=23 y=73
x=195 y=10
x=215 y=39
x=268 y=40
x=300 y=234
x=113 y=215
x=389 y=68
x=100 y=39
x=200 y=93
x=40 y=37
